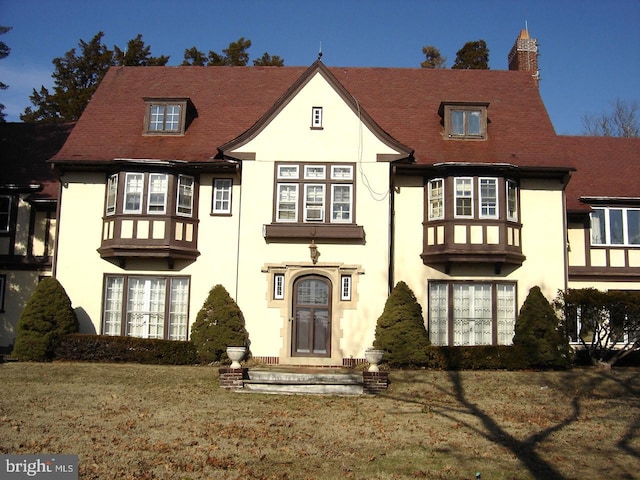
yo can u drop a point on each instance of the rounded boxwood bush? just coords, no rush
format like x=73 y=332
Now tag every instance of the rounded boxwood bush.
x=47 y=316
x=400 y=330
x=219 y=324
x=539 y=331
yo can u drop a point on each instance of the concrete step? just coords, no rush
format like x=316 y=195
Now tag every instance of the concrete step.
x=303 y=382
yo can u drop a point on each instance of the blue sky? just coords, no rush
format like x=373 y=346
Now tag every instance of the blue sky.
x=589 y=54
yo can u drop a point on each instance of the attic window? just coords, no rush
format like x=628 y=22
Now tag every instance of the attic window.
x=316 y=117
x=465 y=120
x=165 y=117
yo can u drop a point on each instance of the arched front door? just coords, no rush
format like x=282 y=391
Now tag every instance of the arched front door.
x=312 y=317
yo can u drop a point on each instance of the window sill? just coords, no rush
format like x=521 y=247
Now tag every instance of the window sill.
x=297 y=232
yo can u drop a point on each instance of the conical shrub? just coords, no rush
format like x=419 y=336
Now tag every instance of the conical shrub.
x=46 y=317
x=400 y=330
x=219 y=324
x=538 y=329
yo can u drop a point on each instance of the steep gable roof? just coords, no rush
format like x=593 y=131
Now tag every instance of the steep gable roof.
x=403 y=103
x=606 y=168
x=24 y=151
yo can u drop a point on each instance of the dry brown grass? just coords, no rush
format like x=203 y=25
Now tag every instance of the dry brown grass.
x=156 y=422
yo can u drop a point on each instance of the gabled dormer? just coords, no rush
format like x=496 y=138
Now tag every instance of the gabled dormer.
x=464 y=120
x=167 y=116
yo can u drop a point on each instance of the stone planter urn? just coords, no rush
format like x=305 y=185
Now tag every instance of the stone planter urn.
x=374 y=357
x=236 y=354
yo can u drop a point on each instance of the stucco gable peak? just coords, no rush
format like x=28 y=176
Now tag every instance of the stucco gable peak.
x=314 y=69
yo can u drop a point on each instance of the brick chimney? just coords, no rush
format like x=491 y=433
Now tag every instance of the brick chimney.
x=524 y=55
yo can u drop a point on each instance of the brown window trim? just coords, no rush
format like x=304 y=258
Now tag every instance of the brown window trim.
x=445 y=110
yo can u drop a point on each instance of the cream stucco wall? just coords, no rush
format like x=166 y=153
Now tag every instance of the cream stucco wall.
x=542 y=239
x=81 y=271
x=344 y=139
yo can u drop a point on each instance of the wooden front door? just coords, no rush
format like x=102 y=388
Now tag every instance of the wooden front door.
x=312 y=317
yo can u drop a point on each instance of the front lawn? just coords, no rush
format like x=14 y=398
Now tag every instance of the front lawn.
x=130 y=421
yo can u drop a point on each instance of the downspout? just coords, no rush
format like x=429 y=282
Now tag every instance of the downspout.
x=54 y=263
x=392 y=191
x=239 y=175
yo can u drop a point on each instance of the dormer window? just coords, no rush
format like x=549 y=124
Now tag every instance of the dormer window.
x=165 y=117
x=464 y=120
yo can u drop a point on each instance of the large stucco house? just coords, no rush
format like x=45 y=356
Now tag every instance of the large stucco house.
x=309 y=192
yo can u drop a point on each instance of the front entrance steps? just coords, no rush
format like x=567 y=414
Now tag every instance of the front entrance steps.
x=302 y=381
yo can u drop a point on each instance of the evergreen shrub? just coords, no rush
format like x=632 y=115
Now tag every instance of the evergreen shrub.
x=540 y=332
x=400 y=330
x=219 y=324
x=106 y=348
x=46 y=317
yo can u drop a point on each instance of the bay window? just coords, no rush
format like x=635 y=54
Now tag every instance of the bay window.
x=464 y=197
x=133 y=192
x=488 y=197
x=185 y=196
x=615 y=226
x=435 y=195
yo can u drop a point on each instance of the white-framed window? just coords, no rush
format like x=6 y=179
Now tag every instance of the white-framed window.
x=472 y=314
x=112 y=194
x=133 y=189
x=146 y=306
x=184 y=205
x=314 y=198
x=512 y=201
x=345 y=287
x=315 y=172
x=3 y=284
x=341 y=201
x=278 y=286
x=488 y=197
x=5 y=213
x=435 y=194
x=165 y=117
x=316 y=117
x=465 y=311
x=341 y=172
x=615 y=226
x=287 y=202
x=464 y=197
x=288 y=171
x=222 y=195
x=314 y=202
x=157 y=196
x=505 y=312
x=439 y=313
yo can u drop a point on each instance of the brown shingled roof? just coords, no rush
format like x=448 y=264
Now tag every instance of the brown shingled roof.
x=24 y=151
x=607 y=167
x=230 y=100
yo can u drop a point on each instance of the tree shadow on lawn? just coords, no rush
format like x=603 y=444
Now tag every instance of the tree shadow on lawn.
x=525 y=450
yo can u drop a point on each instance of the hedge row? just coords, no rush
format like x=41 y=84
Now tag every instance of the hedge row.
x=105 y=348
x=484 y=357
